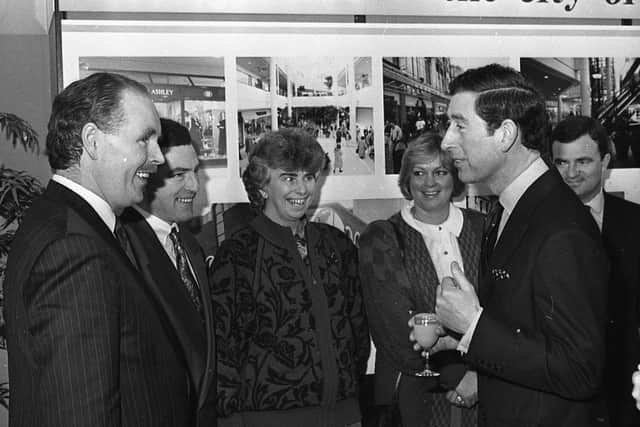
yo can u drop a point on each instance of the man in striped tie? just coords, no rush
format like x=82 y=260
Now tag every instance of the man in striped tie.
x=173 y=263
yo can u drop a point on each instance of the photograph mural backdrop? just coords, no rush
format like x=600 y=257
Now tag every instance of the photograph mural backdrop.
x=363 y=91
x=329 y=97
x=190 y=91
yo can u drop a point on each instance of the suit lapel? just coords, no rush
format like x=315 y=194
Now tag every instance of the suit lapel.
x=196 y=257
x=91 y=223
x=611 y=224
x=167 y=289
x=517 y=225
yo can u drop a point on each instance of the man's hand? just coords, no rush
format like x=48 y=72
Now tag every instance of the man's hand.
x=444 y=343
x=456 y=302
x=466 y=393
x=635 y=379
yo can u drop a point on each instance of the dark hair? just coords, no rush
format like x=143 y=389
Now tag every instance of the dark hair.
x=94 y=99
x=427 y=144
x=173 y=134
x=572 y=128
x=288 y=149
x=503 y=93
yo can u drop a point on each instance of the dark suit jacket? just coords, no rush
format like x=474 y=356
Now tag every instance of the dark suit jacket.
x=621 y=236
x=196 y=339
x=84 y=332
x=539 y=343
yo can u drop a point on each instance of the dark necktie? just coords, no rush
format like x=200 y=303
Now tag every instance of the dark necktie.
x=123 y=239
x=182 y=265
x=490 y=235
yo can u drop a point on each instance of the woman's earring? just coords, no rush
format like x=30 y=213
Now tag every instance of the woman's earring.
x=264 y=194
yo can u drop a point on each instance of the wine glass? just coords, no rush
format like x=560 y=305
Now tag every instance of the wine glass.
x=425 y=330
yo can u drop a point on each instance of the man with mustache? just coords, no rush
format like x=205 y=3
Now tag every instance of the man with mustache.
x=86 y=338
x=582 y=153
x=173 y=263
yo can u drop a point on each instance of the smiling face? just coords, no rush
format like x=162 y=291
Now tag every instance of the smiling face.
x=581 y=166
x=123 y=160
x=175 y=185
x=431 y=186
x=475 y=150
x=289 y=195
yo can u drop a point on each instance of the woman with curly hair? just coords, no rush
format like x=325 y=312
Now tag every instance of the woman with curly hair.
x=292 y=339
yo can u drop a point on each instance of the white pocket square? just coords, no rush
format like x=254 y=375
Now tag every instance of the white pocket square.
x=499 y=274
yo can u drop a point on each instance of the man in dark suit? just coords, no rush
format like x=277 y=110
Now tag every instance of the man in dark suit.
x=86 y=337
x=581 y=151
x=172 y=261
x=536 y=332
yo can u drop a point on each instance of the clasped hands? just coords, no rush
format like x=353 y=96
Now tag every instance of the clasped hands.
x=456 y=306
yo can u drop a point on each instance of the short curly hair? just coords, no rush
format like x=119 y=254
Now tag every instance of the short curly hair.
x=428 y=144
x=290 y=149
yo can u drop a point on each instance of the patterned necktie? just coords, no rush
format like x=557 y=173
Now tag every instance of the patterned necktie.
x=123 y=239
x=301 y=245
x=182 y=265
x=490 y=235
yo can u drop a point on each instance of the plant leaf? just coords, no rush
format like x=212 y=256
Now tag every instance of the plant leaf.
x=19 y=132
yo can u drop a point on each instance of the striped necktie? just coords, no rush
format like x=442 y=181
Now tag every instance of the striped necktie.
x=182 y=265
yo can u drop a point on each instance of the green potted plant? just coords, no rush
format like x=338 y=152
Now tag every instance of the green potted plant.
x=17 y=191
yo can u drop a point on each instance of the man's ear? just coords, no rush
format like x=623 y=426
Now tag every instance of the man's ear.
x=90 y=135
x=507 y=134
x=606 y=172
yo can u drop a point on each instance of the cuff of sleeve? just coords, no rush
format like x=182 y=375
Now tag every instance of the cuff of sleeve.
x=465 y=341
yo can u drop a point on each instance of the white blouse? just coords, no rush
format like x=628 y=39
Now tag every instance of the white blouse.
x=441 y=239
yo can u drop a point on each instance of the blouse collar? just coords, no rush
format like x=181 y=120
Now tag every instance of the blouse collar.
x=453 y=223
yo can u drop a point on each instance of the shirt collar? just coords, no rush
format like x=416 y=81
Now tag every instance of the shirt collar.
x=597 y=203
x=453 y=223
x=514 y=191
x=161 y=227
x=98 y=204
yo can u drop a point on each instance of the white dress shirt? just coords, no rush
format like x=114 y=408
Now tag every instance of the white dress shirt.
x=514 y=191
x=98 y=204
x=596 y=207
x=162 y=229
x=441 y=240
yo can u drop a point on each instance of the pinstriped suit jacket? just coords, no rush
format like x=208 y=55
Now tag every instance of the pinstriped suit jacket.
x=86 y=341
